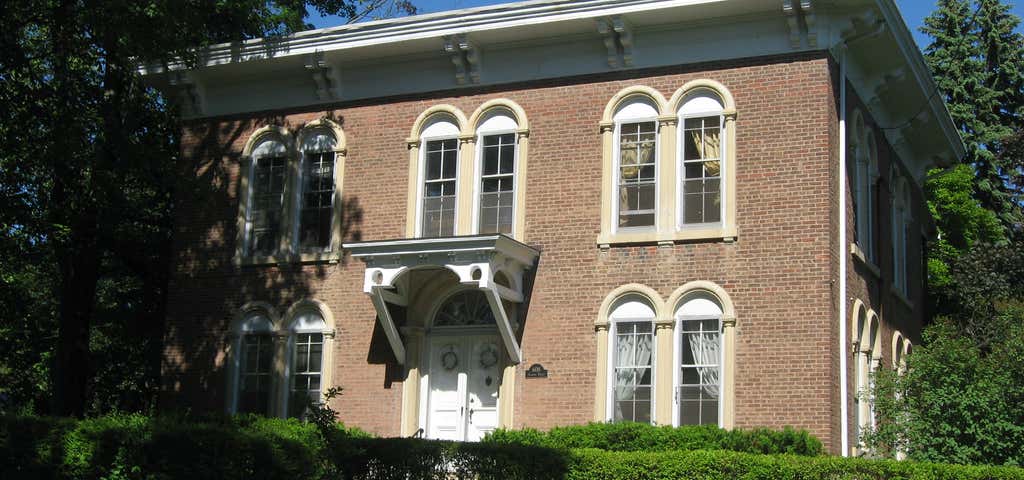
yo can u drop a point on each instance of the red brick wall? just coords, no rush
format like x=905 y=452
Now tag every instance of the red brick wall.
x=779 y=273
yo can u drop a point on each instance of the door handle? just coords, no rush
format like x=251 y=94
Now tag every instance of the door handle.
x=470 y=415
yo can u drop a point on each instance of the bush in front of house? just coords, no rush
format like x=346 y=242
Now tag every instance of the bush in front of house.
x=589 y=464
x=629 y=436
x=123 y=447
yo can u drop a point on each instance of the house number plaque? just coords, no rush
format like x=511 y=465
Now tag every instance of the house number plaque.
x=536 y=371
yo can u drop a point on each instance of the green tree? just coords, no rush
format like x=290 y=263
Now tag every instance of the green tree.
x=977 y=57
x=86 y=183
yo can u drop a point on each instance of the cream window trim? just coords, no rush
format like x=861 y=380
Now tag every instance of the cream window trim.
x=239 y=328
x=287 y=335
x=665 y=354
x=469 y=165
x=867 y=351
x=856 y=252
x=668 y=230
x=288 y=249
x=727 y=325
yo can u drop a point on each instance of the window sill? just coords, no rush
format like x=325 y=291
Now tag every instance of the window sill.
x=724 y=234
x=901 y=297
x=857 y=253
x=285 y=259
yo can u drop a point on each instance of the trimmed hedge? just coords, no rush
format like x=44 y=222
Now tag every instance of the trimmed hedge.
x=249 y=447
x=631 y=437
x=593 y=464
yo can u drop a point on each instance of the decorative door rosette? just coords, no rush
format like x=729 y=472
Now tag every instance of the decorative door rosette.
x=488 y=355
x=449 y=359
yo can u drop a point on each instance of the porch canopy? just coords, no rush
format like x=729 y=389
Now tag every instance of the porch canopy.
x=494 y=264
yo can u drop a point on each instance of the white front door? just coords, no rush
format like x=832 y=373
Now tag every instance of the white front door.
x=462 y=385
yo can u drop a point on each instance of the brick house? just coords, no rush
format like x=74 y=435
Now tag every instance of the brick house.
x=554 y=212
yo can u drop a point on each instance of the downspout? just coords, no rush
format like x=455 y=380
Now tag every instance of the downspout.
x=844 y=423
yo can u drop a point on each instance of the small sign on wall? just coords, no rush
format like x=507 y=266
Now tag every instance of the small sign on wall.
x=536 y=371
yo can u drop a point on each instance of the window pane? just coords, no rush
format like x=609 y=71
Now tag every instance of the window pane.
x=632 y=371
x=700 y=371
x=637 y=174
x=266 y=204
x=496 y=189
x=438 y=207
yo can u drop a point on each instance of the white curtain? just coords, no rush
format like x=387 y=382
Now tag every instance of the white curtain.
x=626 y=350
x=707 y=350
x=711 y=149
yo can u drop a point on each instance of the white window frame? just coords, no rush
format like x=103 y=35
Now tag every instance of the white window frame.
x=299 y=191
x=681 y=162
x=255 y=157
x=293 y=332
x=617 y=168
x=422 y=175
x=255 y=322
x=677 y=356
x=613 y=356
x=478 y=169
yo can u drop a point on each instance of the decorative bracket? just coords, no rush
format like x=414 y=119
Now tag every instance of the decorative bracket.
x=618 y=40
x=883 y=86
x=465 y=57
x=325 y=76
x=189 y=93
x=801 y=21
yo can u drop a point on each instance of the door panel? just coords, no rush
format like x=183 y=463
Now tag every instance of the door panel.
x=464 y=376
x=445 y=416
x=482 y=388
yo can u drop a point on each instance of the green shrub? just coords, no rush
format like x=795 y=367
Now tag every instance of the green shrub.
x=594 y=464
x=628 y=437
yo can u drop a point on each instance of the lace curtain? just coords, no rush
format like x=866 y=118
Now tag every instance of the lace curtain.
x=707 y=141
x=632 y=357
x=707 y=350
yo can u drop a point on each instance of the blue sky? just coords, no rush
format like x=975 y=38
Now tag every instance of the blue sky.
x=913 y=11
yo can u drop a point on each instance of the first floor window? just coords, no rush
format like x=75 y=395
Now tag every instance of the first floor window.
x=700 y=372
x=306 y=371
x=497 y=179
x=254 y=377
x=317 y=201
x=438 y=209
x=632 y=373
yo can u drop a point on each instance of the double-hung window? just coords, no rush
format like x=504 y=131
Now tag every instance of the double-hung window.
x=306 y=363
x=632 y=362
x=498 y=154
x=253 y=367
x=701 y=156
x=636 y=170
x=316 y=194
x=698 y=394
x=266 y=199
x=439 y=187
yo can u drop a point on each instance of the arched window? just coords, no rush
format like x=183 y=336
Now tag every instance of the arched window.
x=631 y=396
x=497 y=138
x=317 y=191
x=466 y=308
x=636 y=166
x=700 y=359
x=253 y=363
x=901 y=220
x=268 y=178
x=869 y=353
x=864 y=173
x=439 y=171
x=701 y=158
x=307 y=333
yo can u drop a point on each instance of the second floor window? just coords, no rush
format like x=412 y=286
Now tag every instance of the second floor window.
x=316 y=197
x=637 y=180
x=497 y=183
x=439 y=187
x=701 y=153
x=269 y=176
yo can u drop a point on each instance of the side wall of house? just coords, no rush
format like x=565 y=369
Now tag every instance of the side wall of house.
x=871 y=282
x=778 y=272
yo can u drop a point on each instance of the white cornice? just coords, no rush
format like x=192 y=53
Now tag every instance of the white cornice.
x=418 y=27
